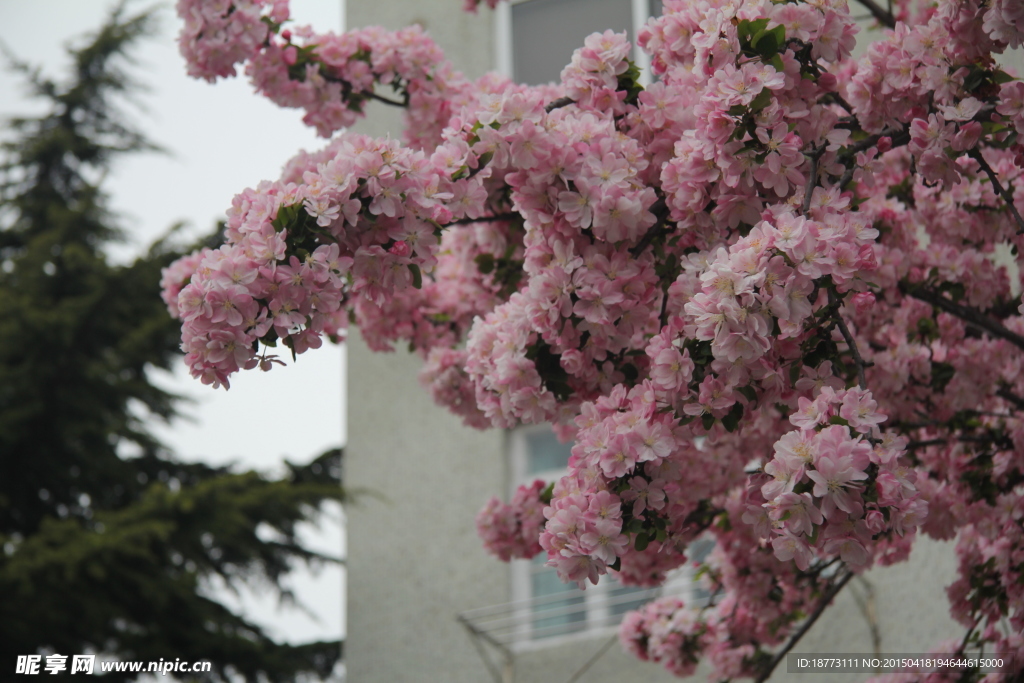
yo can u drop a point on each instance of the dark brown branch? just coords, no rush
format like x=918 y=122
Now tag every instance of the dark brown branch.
x=850 y=341
x=1002 y=443
x=558 y=104
x=899 y=137
x=347 y=90
x=998 y=187
x=795 y=638
x=971 y=316
x=1013 y=398
x=486 y=219
x=393 y=103
x=914 y=445
x=660 y=211
x=812 y=178
x=884 y=18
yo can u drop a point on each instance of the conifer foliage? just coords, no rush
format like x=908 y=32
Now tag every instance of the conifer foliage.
x=109 y=543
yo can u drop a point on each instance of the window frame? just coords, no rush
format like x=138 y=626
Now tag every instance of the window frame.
x=504 y=45
x=598 y=612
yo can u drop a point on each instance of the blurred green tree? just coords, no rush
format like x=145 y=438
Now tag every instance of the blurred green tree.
x=104 y=552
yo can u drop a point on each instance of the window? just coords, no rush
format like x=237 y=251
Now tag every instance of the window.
x=544 y=611
x=536 y=38
x=546 y=607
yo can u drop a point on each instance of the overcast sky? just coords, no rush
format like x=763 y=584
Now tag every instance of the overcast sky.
x=222 y=138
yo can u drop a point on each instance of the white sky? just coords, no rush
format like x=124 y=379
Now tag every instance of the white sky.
x=222 y=139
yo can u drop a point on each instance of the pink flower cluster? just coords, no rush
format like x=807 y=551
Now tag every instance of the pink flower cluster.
x=831 y=493
x=592 y=77
x=624 y=482
x=675 y=276
x=331 y=77
x=511 y=530
x=218 y=34
x=668 y=632
x=295 y=253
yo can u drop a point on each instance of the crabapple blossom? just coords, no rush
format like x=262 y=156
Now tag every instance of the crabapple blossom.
x=766 y=296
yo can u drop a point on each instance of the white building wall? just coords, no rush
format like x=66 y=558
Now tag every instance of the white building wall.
x=414 y=559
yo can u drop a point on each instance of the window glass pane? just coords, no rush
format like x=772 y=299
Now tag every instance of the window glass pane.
x=554 y=617
x=655 y=7
x=546 y=32
x=544 y=452
x=620 y=602
x=698 y=552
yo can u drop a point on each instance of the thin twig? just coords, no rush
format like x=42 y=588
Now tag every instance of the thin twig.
x=967 y=637
x=660 y=211
x=898 y=138
x=850 y=341
x=385 y=100
x=883 y=17
x=1003 y=443
x=970 y=316
x=1008 y=395
x=841 y=101
x=346 y=90
x=868 y=609
x=914 y=445
x=558 y=104
x=487 y=219
x=1002 y=191
x=596 y=656
x=812 y=178
x=795 y=638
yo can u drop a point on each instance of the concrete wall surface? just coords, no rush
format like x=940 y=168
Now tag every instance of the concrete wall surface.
x=414 y=559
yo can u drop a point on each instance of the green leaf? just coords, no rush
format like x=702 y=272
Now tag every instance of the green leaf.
x=749 y=392
x=642 y=541
x=629 y=81
x=708 y=420
x=942 y=373
x=999 y=77
x=767 y=42
x=417 y=276
x=547 y=493
x=763 y=99
x=485 y=263
x=794 y=372
x=975 y=77
x=747 y=29
x=731 y=420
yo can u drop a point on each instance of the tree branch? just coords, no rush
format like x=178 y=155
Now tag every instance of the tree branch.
x=385 y=100
x=558 y=104
x=884 y=17
x=486 y=219
x=795 y=638
x=850 y=341
x=1008 y=395
x=971 y=316
x=899 y=137
x=812 y=178
x=1003 y=192
x=660 y=211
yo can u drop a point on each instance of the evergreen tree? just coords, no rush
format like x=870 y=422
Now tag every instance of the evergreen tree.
x=105 y=553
